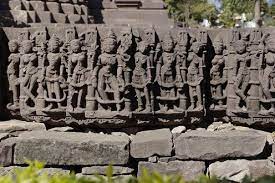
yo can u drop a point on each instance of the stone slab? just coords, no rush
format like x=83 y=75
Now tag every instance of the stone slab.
x=11 y=170
x=16 y=125
x=101 y=170
x=190 y=170
x=205 y=145
x=236 y=170
x=6 y=151
x=61 y=148
x=152 y=142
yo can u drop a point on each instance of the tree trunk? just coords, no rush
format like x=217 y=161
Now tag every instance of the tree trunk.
x=257 y=13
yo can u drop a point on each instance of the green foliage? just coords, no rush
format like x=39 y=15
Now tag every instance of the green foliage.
x=191 y=12
x=33 y=174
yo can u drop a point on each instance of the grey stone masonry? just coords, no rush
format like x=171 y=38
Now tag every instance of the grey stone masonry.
x=61 y=148
x=204 y=145
x=152 y=142
x=101 y=170
x=190 y=170
x=236 y=170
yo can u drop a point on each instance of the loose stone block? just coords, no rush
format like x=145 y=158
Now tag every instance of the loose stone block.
x=236 y=170
x=190 y=170
x=153 y=142
x=204 y=145
x=101 y=170
x=16 y=125
x=61 y=148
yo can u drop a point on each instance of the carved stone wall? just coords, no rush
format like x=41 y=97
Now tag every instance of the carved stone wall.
x=40 y=11
x=123 y=76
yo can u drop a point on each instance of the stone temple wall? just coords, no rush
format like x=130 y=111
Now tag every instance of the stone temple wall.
x=173 y=100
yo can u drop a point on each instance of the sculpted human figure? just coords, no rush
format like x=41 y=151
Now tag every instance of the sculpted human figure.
x=54 y=77
x=108 y=71
x=13 y=72
x=181 y=50
x=125 y=53
x=168 y=76
x=241 y=75
x=218 y=79
x=267 y=76
x=28 y=71
x=142 y=77
x=195 y=76
x=77 y=75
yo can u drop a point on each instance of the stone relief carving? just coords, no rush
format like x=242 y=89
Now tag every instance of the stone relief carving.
x=218 y=74
x=135 y=75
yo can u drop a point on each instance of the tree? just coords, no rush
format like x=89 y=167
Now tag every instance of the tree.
x=192 y=12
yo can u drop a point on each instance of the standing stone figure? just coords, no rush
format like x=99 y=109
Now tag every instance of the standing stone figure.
x=107 y=74
x=181 y=56
x=13 y=73
x=125 y=56
x=241 y=75
x=28 y=76
x=168 y=76
x=54 y=76
x=142 y=77
x=77 y=75
x=218 y=77
x=195 y=76
x=267 y=77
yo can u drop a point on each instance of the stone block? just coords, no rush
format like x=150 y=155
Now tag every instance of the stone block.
x=75 y=19
x=16 y=125
x=6 y=151
x=236 y=170
x=68 y=8
x=26 y=5
x=78 y=9
x=101 y=170
x=45 y=16
x=38 y=5
x=204 y=145
x=20 y=16
x=15 y=5
x=190 y=170
x=60 y=18
x=54 y=7
x=11 y=170
x=84 y=9
x=61 y=148
x=153 y=142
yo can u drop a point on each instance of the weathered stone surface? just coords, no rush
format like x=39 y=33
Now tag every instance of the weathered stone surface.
x=236 y=170
x=49 y=171
x=6 y=151
x=61 y=148
x=62 y=129
x=101 y=170
x=190 y=170
x=154 y=142
x=16 y=125
x=204 y=145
